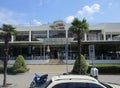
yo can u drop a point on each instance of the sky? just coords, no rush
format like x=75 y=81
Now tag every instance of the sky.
x=38 y=12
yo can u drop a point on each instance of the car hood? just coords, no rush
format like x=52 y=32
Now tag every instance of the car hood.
x=114 y=85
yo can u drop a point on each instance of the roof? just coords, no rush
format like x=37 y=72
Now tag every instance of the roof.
x=70 y=77
x=36 y=28
x=107 y=27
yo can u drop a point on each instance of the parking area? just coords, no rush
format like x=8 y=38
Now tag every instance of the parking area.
x=23 y=80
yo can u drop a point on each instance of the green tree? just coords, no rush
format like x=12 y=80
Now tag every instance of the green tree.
x=8 y=30
x=20 y=65
x=79 y=27
x=84 y=66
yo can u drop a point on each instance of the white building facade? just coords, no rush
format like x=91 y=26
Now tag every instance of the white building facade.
x=39 y=44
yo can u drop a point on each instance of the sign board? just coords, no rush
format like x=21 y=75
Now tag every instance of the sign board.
x=91 y=51
x=58 y=25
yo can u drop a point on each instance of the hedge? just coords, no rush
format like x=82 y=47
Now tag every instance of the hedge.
x=107 y=69
x=9 y=69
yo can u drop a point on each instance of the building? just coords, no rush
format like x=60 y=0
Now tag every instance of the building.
x=39 y=43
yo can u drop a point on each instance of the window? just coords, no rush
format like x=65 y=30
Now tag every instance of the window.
x=93 y=85
x=57 y=34
x=77 y=85
x=61 y=85
x=71 y=85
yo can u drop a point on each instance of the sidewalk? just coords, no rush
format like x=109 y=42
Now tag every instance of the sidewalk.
x=50 y=68
x=23 y=80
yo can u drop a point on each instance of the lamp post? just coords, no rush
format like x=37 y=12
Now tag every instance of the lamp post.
x=66 y=50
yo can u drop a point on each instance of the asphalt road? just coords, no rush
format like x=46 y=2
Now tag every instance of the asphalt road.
x=23 y=80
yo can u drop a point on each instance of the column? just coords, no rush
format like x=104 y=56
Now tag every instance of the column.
x=104 y=36
x=47 y=33
x=12 y=38
x=85 y=36
x=111 y=37
x=30 y=36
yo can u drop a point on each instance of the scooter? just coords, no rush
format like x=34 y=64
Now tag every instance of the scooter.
x=38 y=80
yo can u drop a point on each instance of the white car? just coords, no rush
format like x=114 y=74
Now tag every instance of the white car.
x=76 y=81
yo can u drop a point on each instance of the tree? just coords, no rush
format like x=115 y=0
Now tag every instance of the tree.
x=79 y=27
x=20 y=65
x=8 y=30
x=84 y=66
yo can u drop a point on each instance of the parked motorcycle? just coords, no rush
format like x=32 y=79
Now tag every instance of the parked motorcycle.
x=38 y=80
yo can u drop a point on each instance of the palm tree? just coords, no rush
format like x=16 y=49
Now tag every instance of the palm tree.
x=79 y=27
x=8 y=30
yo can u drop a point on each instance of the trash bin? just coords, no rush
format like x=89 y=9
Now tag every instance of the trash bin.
x=94 y=72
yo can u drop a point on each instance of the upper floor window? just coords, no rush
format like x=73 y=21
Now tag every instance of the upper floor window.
x=22 y=36
x=57 y=34
x=39 y=34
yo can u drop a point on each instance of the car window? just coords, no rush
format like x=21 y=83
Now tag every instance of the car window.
x=71 y=85
x=93 y=85
x=61 y=85
x=77 y=85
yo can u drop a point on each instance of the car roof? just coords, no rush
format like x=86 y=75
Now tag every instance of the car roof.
x=73 y=77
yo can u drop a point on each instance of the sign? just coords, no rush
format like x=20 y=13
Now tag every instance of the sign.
x=58 y=25
x=91 y=51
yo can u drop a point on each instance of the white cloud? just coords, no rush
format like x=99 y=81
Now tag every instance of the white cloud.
x=36 y=22
x=9 y=17
x=88 y=11
x=69 y=19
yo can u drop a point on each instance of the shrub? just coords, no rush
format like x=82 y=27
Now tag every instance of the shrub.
x=107 y=69
x=20 y=65
x=9 y=69
x=84 y=66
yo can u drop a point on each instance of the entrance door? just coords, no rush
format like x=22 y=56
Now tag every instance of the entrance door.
x=55 y=54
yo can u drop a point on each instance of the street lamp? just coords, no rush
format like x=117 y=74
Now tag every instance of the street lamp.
x=66 y=50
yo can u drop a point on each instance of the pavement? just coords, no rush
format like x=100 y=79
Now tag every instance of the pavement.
x=23 y=80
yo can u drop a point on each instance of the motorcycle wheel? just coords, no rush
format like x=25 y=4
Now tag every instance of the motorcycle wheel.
x=33 y=84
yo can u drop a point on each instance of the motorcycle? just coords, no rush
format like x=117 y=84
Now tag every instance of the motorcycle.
x=38 y=80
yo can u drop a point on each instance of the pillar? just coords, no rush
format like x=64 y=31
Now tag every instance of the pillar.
x=104 y=36
x=85 y=36
x=30 y=36
x=12 y=38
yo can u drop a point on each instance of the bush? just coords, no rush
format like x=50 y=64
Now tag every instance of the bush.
x=20 y=65
x=9 y=69
x=84 y=66
x=107 y=69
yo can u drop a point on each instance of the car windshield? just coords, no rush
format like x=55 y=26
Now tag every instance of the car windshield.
x=47 y=83
x=50 y=81
x=106 y=85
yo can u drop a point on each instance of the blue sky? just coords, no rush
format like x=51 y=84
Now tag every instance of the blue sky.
x=38 y=12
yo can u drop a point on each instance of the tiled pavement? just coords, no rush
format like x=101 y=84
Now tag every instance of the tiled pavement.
x=24 y=80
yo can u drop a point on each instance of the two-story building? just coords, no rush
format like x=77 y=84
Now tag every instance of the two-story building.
x=40 y=43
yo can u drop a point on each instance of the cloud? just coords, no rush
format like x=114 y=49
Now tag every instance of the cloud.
x=9 y=17
x=69 y=19
x=88 y=11
x=36 y=22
